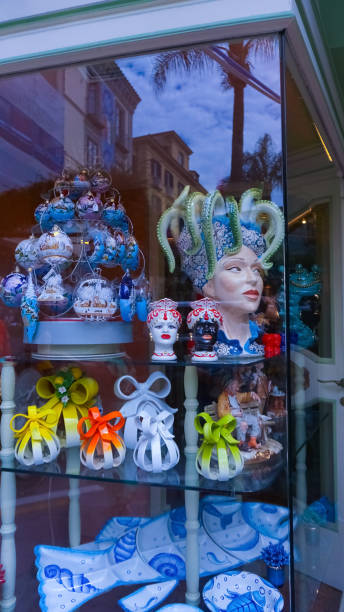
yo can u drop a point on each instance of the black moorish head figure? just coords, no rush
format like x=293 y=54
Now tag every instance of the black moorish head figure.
x=205 y=334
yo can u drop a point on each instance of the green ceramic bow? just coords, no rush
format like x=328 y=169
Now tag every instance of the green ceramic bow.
x=218 y=435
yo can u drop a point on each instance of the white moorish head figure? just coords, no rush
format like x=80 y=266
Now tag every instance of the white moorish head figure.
x=163 y=322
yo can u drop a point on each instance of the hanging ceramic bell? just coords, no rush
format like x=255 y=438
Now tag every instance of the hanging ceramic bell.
x=89 y=206
x=127 y=297
x=55 y=247
x=26 y=253
x=12 y=288
x=94 y=299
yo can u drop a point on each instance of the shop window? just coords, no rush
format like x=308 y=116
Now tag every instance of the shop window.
x=92 y=153
x=156 y=172
x=169 y=181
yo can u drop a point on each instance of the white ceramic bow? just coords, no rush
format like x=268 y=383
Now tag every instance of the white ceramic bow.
x=142 y=397
x=156 y=450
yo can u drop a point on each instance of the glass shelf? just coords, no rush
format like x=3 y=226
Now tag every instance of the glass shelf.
x=183 y=476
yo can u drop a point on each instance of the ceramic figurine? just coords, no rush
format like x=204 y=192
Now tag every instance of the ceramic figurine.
x=151 y=551
x=204 y=321
x=89 y=206
x=61 y=208
x=55 y=247
x=251 y=423
x=143 y=397
x=163 y=322
x=30 y=309
x=26 y=253
x=155 y=450
x=37 y=443
x=218 y=457
x=12 y=288
x=95 y=299
x=102 y=447
x=69 y=395
x=225 y=256
x=241 y=592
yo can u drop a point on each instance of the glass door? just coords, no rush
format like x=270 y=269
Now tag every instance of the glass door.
x=315 y=267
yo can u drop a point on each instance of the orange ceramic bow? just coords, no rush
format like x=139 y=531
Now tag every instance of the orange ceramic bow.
x=101 y=436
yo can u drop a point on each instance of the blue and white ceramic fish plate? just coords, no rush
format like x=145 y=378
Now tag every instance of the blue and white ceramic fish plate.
x=241 y=592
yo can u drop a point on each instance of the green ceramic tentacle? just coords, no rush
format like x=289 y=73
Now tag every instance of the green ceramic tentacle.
x=194 y=204
x=177 y=210
x=253 y=194
x=211 y=200
x=234 y=224
x=275 y=230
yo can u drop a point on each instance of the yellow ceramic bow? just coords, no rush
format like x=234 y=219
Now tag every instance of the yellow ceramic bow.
x=226 y=462
x=37 y=442
x=69 y=397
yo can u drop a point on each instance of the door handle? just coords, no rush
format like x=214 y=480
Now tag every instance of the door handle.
x=339 y=382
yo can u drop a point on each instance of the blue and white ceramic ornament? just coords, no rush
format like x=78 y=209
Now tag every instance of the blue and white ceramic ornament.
x=127 y=297
x=55 y=247
x=61 y=208
x=241 y=592
x=143 y=298
x=114 y=214
x=26 y=253
x=29 y=310
x=89 y=206
x=13 y=287
x=42 y=216
x=79 y=183
x=100 y=181
x=132 y=254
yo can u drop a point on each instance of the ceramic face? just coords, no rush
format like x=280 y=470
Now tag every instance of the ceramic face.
x=237 y=282
x=205 y=334
x=164 y=333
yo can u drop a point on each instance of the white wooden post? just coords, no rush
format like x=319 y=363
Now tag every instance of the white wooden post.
x=74 y=521
x=8 y=488
x=192 y=595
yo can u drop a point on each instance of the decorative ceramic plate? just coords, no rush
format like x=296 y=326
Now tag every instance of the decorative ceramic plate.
x=241 y=592
x=179 y=608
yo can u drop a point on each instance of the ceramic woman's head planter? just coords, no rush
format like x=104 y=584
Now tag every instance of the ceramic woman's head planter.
x=163 y=322
x=224 y=252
